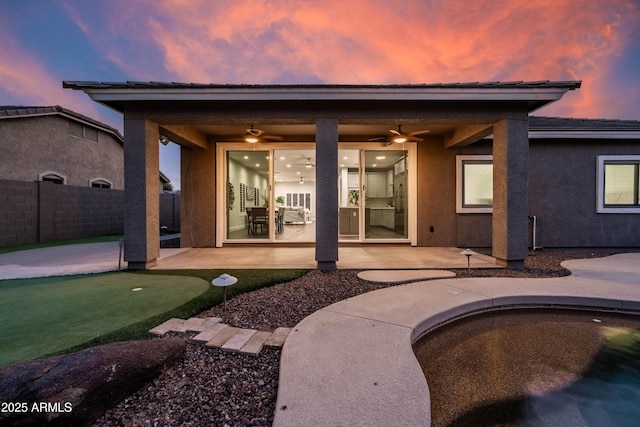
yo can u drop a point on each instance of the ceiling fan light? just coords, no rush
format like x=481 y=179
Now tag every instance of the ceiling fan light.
x=308 y=166
x=399 y=139
x=251 y=139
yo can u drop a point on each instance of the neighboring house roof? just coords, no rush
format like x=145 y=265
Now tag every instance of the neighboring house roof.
x=164 y=179
x=13 y=111
x=557 y=127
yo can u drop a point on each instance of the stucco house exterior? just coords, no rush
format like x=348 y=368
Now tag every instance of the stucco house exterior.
x=461 y=164
x=52 y=143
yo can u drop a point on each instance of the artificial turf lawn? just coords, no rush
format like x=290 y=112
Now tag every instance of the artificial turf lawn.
x=54 y=315
x=46 y=315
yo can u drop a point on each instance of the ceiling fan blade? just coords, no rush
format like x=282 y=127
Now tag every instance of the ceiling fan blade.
x=254 y=132
x=272 y=137
x=419 y=132
x=395 y=132
x=414 y=138
x=378 y=138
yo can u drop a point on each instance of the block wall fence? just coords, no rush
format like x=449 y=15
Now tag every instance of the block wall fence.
x=32 y=212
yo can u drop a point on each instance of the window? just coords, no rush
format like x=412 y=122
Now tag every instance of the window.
x=81 y=131
x=618 y=184
x=100 y=183
x=54 y=177
x=474 y=184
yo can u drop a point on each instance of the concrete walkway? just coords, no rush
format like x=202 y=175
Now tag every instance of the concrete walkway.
x=60 y=260
x=351 y=364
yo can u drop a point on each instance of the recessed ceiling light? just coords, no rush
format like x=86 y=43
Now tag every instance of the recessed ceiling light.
x=257 y=165
x=380 y=157
x=374 y=165
x=289 y=165
x=345 y=158
x=282 y=157
x=246 y=157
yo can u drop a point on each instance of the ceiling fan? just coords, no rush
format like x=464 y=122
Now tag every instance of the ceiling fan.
x=253 y=135
x=399 y=136
x=307 y=164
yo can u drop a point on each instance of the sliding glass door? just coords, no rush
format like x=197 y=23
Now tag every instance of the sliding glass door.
x=247 y=195
x=270 y=193
x=373 y=193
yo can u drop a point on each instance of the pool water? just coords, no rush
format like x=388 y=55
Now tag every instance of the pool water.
x=534 y=367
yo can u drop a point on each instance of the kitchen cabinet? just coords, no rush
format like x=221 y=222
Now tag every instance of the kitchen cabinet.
x=352 y=181
x=390 y=183
x=349 y=221
x=376 y=184
x=383 y=217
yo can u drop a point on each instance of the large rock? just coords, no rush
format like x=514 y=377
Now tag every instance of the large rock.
x=77 y=389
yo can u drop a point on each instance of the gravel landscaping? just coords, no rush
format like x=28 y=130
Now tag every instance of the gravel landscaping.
x=210 y=387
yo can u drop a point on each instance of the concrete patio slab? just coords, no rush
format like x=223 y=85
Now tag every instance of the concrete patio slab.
x=336 y=361
x=101 y=257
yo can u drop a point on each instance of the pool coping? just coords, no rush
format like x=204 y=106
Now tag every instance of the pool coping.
x=351 y=363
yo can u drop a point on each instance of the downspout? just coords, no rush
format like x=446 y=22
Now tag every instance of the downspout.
x=534 y=231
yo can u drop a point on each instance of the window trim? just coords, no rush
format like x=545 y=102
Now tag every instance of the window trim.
x=101 y=180
x=460 y=160
x=54 y=173
x=601 y=161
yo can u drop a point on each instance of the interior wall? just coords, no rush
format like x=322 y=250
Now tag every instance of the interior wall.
x=238 y=174
x=282 y=188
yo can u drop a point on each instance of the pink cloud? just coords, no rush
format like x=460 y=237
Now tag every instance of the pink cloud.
x=358 y=41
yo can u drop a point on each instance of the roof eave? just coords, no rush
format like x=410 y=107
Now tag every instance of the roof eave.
x=114 y=95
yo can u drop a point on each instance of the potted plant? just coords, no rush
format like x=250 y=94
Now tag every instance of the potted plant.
x=354 y=197
x=280 y=200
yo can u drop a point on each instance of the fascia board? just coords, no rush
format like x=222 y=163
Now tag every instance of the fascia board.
x=325 y=94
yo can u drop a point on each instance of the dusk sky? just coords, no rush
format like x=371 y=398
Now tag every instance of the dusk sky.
x=322 y=41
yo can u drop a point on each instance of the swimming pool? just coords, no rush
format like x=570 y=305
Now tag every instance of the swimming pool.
x=534 y=367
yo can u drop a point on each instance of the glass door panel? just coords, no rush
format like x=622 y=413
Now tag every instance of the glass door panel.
x=295 y=194
x=349 y=194
x=385 y=204
x=248 y=197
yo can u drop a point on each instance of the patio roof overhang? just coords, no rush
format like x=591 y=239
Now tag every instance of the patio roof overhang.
x=116 y=95
x=456 y=114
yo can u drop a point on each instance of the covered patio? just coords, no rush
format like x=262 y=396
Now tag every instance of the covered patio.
x=206 y=120
x=354 y=257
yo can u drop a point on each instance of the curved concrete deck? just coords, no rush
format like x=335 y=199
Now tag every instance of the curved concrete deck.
x=352 y=363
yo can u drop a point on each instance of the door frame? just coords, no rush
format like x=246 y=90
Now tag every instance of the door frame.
x=412 y=180
x=221 y=179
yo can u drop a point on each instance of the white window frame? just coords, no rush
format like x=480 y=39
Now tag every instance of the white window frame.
x=601 y=161
x=52 y=173
x=460 y=160
x=100 y=180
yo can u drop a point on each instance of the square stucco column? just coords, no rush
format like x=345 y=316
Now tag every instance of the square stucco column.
x=326 y=193
x=197 y=197
x=142 y=193
x=510 y=192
